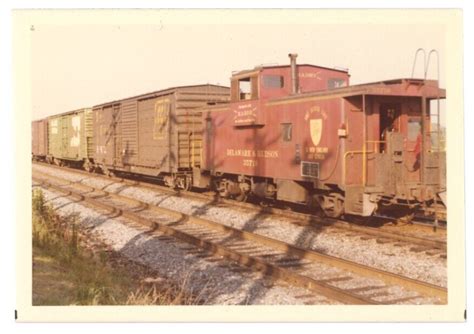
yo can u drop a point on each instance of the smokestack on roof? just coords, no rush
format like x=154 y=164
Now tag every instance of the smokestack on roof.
x=294 y=74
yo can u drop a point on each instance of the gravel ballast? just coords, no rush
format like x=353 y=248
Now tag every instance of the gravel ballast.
x=220 y=281
x=385 y=256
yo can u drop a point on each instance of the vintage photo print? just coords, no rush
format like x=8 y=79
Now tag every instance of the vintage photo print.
x=239 y=165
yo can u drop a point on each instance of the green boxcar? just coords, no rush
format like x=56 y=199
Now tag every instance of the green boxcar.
x=70 y=136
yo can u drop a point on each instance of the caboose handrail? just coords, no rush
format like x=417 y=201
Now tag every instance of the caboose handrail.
x=438 y=125
x=376 y=142
x=414 y=62
x=427 y=65
x=362 y=151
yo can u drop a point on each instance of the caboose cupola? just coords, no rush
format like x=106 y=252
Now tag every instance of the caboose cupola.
x=252 y=89
x=275 y=81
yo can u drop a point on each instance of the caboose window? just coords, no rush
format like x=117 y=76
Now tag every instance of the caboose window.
x=273 y=81
x=245 y=89
x=286 y=131
x=335 y=83
x=414 y=128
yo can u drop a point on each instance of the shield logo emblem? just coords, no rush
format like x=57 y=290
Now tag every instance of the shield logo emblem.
x=316 y=128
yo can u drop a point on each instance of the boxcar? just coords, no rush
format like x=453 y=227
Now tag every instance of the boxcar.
x=70 y=138
x=39 y=139
x=158 y=133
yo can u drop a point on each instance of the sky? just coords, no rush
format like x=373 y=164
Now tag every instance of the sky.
x=81 y=65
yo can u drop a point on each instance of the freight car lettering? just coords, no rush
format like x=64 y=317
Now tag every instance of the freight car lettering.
x=315 y=156
x=317 y=149
x=250 y=163
x=310 y=75
x=252 y=153
x=316 y=153
x=240 y=153
x=249 y=114
x=76 y=128
x=100 y=149
x=316 y=110
x=267 y=154
x=245 y=113
x=244 y=106
x=245 y=120
x=162 y=108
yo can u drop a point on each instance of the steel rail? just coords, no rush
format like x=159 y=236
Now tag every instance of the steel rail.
x=302 y=218
x=273 y=271
x=389 y=278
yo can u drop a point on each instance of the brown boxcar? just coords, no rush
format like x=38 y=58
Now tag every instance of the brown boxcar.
x=39 y=139
x=351 y=149
x=158 y=133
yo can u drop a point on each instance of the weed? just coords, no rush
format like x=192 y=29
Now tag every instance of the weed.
x=64 y=273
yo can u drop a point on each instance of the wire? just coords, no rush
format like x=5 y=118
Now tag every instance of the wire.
x=335 y=164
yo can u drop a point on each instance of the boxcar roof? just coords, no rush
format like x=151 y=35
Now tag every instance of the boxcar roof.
x=75 y=111
x=158 y=93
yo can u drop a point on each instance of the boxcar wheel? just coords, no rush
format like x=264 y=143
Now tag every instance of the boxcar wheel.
x=88 y=167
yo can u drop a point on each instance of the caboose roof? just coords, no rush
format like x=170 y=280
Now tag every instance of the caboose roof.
x=395 y=87
x=257 y=69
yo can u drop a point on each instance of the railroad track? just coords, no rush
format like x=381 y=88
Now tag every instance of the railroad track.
x=277 y=259
x=426 y=240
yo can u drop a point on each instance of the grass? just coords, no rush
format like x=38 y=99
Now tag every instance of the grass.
x=66 y=273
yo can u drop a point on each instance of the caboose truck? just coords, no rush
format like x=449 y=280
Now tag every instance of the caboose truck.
x=301 y=134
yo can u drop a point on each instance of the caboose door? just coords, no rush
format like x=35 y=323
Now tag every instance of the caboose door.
x=389 y=121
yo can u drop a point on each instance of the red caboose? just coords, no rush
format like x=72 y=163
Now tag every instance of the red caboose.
x=301 y=134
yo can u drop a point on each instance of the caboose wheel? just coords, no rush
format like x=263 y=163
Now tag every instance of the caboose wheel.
x=407 y=219
x=242 y=197
x=332 y=204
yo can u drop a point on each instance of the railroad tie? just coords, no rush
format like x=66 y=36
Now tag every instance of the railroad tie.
x=308 y=295
x=366 y=288
x=434 y=252
x=335 y=279
x=418 y=249
x=377 y=294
